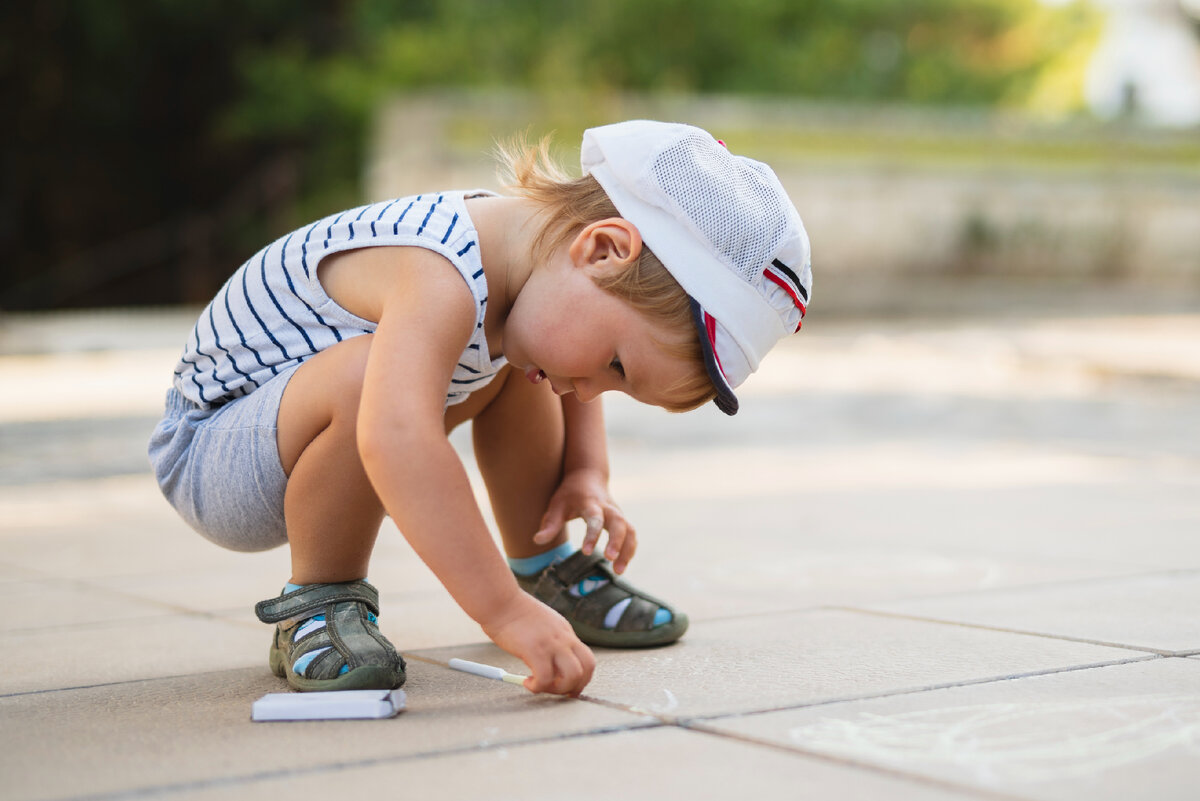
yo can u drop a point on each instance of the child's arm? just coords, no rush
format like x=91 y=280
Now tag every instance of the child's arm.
x=425 y=320
x=583 y=491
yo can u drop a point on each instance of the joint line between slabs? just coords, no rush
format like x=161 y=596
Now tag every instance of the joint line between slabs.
x=335 y=767
x=145 y=680
x=914 y=690
x=982 y=626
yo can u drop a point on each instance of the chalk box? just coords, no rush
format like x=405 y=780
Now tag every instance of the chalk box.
x=338 y=705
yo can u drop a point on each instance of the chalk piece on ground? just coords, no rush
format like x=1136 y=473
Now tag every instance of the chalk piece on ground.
x=487 y=671
x=340 y=705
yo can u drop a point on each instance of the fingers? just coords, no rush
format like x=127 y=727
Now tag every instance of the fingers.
x=552 y=523
x=541 y=638
x=593 y=515
x=599 y=516
x=567 y=672
x=622 y=544
x=562 y=670
x=622 y=538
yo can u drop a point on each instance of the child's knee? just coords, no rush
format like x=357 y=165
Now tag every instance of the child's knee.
x=323 y=394
x=345 y=375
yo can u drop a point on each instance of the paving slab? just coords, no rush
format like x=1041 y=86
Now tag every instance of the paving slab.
x=635 y=765
x=1017 y=503
x=10 y=572
x=807 y=550
x=73 y=604
x=988 y=472
x=766 y=662
x=143 y=737
x=1152 y=612
x=1117 y=732
x=112 y=526
x=98 y=653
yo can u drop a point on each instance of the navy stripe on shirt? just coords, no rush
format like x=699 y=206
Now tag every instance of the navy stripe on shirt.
x=429 y=214
x=275 y=300
x=382 y=212
x=451 y=228
x=266 y=329
x=292 y=288
x=212 y=323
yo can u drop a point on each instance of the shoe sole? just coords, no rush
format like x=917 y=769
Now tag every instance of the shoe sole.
x=608 y=638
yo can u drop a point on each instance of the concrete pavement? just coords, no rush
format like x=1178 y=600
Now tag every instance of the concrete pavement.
x=933 y=558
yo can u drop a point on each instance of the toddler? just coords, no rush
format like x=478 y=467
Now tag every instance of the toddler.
x=316 y=391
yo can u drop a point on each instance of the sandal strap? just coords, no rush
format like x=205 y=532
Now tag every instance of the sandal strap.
x=578 y=566
x=553 y=588
x=312 y=599
x=350 y=636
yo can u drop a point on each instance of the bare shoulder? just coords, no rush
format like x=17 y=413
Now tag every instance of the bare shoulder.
x=365 y=280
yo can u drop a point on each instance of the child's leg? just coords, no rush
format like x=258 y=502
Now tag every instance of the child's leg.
x=332 y=512
x=327 y=637
x=519 y=440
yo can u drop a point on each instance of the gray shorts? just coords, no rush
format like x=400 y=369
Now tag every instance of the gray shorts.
x=220 y=467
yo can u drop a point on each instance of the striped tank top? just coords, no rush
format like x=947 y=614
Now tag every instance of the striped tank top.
x=273 y=313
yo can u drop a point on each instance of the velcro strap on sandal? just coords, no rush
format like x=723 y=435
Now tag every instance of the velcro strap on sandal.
x=313 y=598
x=578 y=566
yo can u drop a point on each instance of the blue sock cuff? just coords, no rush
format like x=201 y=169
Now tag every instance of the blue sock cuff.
x=536 y=564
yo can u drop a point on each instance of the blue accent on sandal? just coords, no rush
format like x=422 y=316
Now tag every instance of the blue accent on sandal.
x=301 y=664
x=589 y=585
x=536 y=564
x=304 y=661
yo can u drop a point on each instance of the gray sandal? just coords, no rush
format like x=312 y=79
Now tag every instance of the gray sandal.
x=591 y=606
x=327 y=639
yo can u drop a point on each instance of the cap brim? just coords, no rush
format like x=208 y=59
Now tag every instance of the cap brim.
x=725 y=400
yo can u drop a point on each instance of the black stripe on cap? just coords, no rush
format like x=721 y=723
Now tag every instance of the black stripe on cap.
x=783 y=268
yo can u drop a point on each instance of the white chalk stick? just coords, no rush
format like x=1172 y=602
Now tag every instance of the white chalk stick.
x=487 y=671
x=336 y=705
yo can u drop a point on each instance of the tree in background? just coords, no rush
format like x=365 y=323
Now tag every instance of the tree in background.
x=155 y=144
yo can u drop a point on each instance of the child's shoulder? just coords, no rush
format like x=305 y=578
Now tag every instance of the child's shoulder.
x=363 y=280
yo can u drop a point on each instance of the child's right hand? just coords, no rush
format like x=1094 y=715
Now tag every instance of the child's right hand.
x=543 y=640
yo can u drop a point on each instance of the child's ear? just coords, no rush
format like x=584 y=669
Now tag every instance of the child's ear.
x=613 y=244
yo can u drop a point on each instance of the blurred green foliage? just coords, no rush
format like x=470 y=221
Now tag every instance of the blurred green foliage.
x=154 y=114
x=960 y=52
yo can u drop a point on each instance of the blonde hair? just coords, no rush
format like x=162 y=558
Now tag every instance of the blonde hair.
x=571 y=204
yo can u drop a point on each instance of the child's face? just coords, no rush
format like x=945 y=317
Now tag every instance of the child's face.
x=565 y=330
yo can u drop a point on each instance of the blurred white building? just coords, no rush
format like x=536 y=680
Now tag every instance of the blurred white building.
x=1147 y=64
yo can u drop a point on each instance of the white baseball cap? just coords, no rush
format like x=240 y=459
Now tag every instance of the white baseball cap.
x=724 y=228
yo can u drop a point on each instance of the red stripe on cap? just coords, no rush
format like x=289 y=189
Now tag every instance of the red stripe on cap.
x=788 y=288
x=710 y=327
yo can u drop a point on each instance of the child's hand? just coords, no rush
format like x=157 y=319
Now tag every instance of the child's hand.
x=584 y=494
x=543 y=640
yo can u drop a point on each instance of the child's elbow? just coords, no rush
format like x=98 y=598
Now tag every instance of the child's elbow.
x=374 y=444
x=381 y=444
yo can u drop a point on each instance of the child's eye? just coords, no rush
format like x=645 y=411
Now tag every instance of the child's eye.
x=616 y=365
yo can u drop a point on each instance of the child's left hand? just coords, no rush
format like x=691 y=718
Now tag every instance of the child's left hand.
x=584 y=494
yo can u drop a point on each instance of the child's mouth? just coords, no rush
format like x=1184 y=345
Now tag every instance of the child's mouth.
x=535 y=375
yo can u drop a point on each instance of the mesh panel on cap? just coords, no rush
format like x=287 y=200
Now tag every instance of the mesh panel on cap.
x=728 y=201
